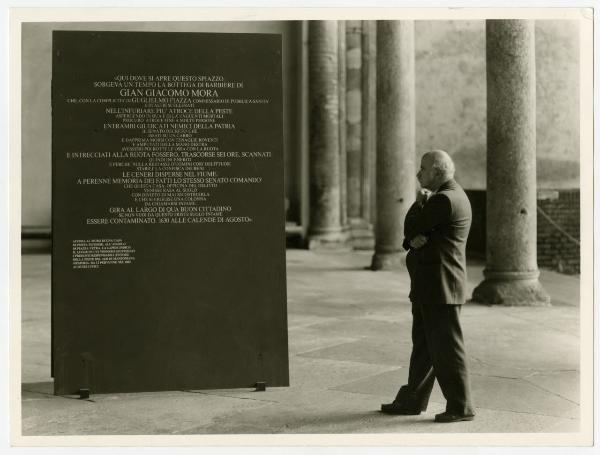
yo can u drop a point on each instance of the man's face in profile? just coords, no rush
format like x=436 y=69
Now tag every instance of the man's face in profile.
x=427 y=174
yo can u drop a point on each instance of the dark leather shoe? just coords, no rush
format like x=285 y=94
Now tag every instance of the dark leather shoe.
x=399 y=409
x=447 y=417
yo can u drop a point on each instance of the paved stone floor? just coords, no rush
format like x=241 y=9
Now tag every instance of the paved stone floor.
x=349 y=343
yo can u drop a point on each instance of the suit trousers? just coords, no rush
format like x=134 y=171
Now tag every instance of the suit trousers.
x=438 y=352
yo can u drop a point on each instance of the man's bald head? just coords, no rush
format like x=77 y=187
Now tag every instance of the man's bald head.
x=436 y=168
x=442 y=163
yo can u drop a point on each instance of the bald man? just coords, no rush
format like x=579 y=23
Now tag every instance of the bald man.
x=435 y=230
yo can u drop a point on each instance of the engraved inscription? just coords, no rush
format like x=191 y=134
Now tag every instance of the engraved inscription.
x=171 y=157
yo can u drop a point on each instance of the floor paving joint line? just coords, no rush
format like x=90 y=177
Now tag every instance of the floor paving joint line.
x=303 y=353
x=39 y=393
x=550 y=392
x=230 y=396
x=526 y=413
x=539 y=323
x=499 y=365
x=493 y=376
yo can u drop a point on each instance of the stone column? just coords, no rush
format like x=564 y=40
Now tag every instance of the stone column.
x=367 y=132
x=511 y=272
x=342 y=122
x=395 y=139
x=372 y=108
x=353 y=117
x=324 y=159
x=362 y=229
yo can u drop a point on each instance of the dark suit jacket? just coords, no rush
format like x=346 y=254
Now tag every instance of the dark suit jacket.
x=438 y=270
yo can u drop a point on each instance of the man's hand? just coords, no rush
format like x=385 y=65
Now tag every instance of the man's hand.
x=423 y=195
x=418 y=242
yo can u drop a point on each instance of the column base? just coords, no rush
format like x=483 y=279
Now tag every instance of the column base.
x=388 y=261
x=329 y=240
x=361 y=234
x=511 y=293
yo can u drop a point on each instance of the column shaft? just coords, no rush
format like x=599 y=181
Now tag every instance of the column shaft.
x=366 y=113
x=511 y=258
x=324 y=167
x=395 y=138
x=361 y=227
x=353 y=116
x=372 y=108
x=342 y=122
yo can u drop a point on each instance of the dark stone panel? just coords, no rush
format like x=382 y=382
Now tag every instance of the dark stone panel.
x=168 y=254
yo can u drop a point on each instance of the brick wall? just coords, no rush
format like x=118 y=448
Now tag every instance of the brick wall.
x=557 y=229
x=558 y=232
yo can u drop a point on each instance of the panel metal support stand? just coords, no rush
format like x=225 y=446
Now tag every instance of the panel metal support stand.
x=84 y=394
x=261 y=386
